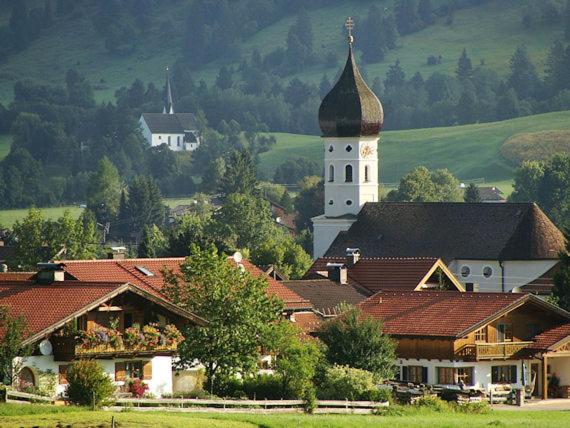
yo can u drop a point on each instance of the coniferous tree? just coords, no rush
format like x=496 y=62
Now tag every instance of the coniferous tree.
x=466 y=107
x=104 y=193
x=372 y=43
x=240 y=175
x=464 y=69
x=390 y=32
x=425 y=11
x=472 y=193
x=407 y=20
x=523 y=78
x=144 y=205
x=224 y=78
x=567 y=21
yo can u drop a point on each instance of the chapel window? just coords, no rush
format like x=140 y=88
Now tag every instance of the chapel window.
x=331 y=173
x=348 y=174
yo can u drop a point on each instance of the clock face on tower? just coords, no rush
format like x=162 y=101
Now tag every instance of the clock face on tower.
x=367 y=151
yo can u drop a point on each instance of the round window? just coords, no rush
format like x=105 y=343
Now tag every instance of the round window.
x=331 y=202
x=487 y=271
x=348 y=148
x=349 y=202
x=465 y=271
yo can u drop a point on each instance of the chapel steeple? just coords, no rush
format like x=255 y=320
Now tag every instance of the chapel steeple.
x=168 y=102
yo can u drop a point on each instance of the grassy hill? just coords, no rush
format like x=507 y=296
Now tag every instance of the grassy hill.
x=469 y=151
x=490 y=32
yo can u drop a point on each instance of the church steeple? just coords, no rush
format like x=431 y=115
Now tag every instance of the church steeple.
x=351 y=118
x=168 y=102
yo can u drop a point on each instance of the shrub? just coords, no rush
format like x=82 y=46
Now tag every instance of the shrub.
x=309 y=400
x=151 y=336
x=89 y=385
x=264 y=387
x=132 y=337
x=433 y=403
x=478 y=408
x=137 y=387
x=172 y=335
x=196 y=393
x=343 y=382
x=2 y=394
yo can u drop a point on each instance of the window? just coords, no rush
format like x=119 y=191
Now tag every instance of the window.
x=331 y=148
x=349 y=202
x=504 y=374
x=160 y=137
x=134 y=369
x=481 y=335
x=331 y=202
x=465 y=271
x=366 y=174
x=487 y=271
x=445 y=376
x=532 y=331
x=348 y=148
x=348 y=174
x=504 y=332
x=82 y=322
x=178 y=141
x=331 y=173
x=169 y=140
x=128 y=320
x=465 y=375
x=414 y=374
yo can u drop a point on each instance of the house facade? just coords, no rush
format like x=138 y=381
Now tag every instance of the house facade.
x=480 y=340
x=131 y=331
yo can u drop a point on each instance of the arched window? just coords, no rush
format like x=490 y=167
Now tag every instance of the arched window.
x=348 y=174
x=366 y=173
x=331 y=173
x=169 y=140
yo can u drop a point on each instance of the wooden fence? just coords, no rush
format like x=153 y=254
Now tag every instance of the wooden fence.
x=23 y=397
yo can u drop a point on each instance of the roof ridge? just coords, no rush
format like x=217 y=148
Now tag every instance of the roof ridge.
x=118 y=261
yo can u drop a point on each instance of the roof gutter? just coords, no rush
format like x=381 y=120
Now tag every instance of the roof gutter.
x=501 y=264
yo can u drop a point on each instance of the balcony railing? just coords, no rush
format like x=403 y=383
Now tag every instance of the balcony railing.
x=81 y=351
x=491 y=351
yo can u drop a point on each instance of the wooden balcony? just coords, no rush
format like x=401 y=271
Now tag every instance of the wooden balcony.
x=491 y=351
x=69 y=348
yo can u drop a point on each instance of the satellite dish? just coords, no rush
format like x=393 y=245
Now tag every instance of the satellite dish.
x=237 y=257
x=46 y=347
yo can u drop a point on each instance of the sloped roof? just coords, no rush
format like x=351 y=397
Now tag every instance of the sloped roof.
x=491 y=194
x=444 y=313
x=326 y=295
x=129 y=270
x=452 y=230
x=308 y=322
x=176 y=123
x=386 y=273
x=48 y=306
x=549 y=338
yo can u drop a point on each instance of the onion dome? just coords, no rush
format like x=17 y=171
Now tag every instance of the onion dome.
x=350 y=109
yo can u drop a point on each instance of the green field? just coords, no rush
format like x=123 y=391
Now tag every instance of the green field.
x=76 y=418
x=468 y=151
x=490 y=32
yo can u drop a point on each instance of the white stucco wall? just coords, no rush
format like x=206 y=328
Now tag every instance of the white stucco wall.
x=517 y=272
x=481 y=369
x=160 y=383
x=325 y=230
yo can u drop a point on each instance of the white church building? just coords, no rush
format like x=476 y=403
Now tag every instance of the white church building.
x=178 y=131
x=489 y=247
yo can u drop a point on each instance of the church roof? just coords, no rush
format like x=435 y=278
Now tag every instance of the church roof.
x=350 y=109
x=176 y=123
x=451 y=230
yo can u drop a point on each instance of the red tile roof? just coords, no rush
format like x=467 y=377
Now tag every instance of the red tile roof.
x=548 y=338
x=16 y=276
x=326 y=295
x=127 y=270
x=437 y=313
x=308 y=322
x=46 y=304
x=382 y=273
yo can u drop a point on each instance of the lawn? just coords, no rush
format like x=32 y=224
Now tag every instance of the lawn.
x=9 y=217
x=468 y=151
x=19 y=416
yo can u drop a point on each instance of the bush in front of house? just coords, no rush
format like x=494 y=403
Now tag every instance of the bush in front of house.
x=88 y=384
x=432 y=402
x=264 y=387
x=348 y=383
x=137 y=387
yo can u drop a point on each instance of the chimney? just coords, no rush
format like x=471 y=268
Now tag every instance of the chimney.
x=338 y=273
x=117 y=253
x=352 y=256
x=50 y=272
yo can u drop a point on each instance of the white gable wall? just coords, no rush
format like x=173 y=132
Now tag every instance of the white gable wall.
x=517 y=272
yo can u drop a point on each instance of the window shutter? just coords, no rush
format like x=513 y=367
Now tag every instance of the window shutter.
x=147 y=370
x=405 y=373
x=120 y=371
x=63 y=374
x=424 y=375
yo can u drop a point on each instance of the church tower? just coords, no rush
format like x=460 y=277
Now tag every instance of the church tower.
x=168 y=102
x=350 y=118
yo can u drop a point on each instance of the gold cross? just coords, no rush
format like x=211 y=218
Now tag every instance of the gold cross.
x=349 y=24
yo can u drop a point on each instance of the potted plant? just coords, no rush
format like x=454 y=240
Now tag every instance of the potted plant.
x=151 y=335
x=132 y=337
x=172 y=335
